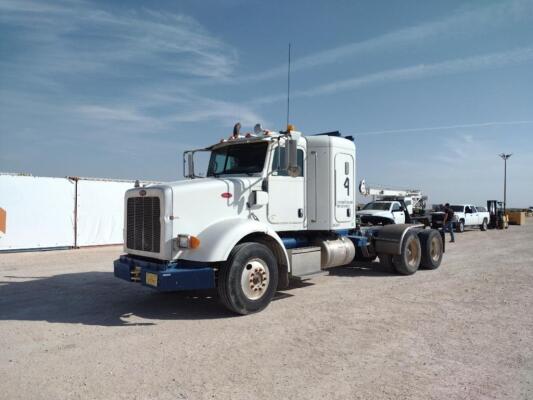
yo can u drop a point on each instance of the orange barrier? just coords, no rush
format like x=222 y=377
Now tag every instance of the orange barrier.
x=517 y=218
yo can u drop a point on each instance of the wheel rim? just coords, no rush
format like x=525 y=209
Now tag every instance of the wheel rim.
x=413 y=252
x=255 y=279
x=435 y=249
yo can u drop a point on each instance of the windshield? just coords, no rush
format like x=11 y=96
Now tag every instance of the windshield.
x=457 y=208
x=245 y=158
x=377 y=206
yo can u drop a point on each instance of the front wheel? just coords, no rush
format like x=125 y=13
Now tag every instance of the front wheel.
x=247 y=282
x=483 y=226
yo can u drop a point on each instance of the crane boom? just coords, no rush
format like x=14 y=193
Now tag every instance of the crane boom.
x=417 y=200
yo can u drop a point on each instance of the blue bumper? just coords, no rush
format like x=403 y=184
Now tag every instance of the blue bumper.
x=165 y=277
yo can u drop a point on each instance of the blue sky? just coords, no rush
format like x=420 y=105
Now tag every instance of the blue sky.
x=432 y=91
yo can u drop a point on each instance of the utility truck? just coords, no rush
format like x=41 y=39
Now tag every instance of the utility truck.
x=392 y=206
x=383 y=212
x=273 y=206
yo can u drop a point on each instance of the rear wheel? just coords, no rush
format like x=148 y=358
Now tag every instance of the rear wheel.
x=431 y=244
x=460 y=226
x=483 y=226
x=408 y=261
x=248 y=280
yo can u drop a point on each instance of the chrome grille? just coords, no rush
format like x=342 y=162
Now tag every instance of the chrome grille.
x=143 y=227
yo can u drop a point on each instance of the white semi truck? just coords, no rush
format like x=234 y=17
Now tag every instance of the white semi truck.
x=271 y=207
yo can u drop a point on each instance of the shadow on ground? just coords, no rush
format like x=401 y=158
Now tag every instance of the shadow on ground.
x=98 y=298
x=363 y=269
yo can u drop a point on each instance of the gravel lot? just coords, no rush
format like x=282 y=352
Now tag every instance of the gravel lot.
x=69 y=330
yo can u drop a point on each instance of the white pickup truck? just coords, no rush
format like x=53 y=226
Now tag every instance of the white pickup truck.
x=382 y=212
x=469 y=215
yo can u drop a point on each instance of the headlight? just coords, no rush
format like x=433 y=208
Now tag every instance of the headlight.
x=187 y=242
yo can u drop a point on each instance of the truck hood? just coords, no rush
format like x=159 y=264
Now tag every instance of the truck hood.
x=230 y=185
x=375 y=213
x=217 y=198
x=220 y=197
x=185 y=207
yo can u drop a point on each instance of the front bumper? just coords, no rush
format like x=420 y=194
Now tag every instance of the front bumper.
x=164 y=277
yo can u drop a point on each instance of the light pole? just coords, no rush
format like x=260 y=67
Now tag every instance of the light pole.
x=504 y=158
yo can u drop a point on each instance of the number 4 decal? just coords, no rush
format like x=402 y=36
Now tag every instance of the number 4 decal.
x=347 y=186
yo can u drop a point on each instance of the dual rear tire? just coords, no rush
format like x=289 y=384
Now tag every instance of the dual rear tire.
x=419 y=250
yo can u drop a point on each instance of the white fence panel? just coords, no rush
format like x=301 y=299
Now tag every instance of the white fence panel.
x=39 y=212
x=100 y=212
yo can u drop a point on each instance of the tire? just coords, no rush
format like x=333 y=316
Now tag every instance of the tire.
x=483 y=226
x=460 y=226
x=432 y=249
x=408 y=261
x=247 y=282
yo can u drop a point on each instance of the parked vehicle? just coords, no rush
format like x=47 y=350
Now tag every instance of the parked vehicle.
x=405 y=206
x=467 y=215
x=497 y=217
x=382 y=213
x=272 y=206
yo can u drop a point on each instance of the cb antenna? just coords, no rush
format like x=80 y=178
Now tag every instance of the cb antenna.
x=289 y=87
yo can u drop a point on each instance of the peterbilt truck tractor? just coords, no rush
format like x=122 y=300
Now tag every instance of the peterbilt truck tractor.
x=272 y=206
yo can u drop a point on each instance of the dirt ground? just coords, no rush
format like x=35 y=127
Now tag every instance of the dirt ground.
x=70 y=330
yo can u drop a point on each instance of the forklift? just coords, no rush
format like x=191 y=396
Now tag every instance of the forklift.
x=498 y=218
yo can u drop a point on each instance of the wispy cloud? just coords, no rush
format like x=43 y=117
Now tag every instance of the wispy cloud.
x=449 y=67
x=463 y=22
x=172 y=43
x=66 y=45
x=193 y=109
x=113 y=113
x=222 y=112
x=445 y=127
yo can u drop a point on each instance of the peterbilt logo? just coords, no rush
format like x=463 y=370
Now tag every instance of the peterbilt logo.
x=142 y=193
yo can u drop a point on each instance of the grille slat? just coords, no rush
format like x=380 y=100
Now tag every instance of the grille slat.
x=143 y=227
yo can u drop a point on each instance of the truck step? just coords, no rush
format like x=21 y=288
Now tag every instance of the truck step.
x=309 y=276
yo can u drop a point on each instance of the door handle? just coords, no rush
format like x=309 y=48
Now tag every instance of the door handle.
x=300 y=213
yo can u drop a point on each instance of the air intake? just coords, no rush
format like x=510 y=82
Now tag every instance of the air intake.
x=143 y=226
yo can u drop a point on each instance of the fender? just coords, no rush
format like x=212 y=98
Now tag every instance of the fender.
x=217 y=240
x=389 y=238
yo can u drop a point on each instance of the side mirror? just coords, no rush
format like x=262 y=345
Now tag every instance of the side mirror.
x=190 y=165
x=291 y=154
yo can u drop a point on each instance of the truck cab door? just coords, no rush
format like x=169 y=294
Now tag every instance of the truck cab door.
x=286 y=207
x=470 y=218
x=476 y=219
x=397 y=213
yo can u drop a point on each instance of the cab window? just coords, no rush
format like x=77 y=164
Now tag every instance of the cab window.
x=279 y=153
x=396 y=207
x=242 y=158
